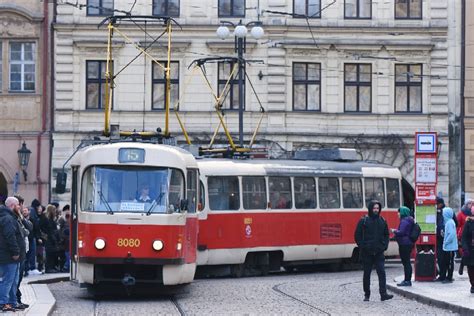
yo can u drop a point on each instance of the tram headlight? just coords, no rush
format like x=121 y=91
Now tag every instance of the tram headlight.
x=99 y=243
x=158 y=245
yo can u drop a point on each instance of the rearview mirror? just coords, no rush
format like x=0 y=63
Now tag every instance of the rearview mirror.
x=61 y=178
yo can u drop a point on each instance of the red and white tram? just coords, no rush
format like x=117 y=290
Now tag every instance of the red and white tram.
x=260 y=215
x=134 y=215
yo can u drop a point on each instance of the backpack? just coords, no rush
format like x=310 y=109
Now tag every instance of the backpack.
x=415 y=232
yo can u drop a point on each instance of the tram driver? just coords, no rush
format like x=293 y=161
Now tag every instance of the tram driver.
x=144 y=196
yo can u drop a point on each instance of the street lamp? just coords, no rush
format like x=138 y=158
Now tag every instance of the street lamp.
x=240 y=35
x=24 y=158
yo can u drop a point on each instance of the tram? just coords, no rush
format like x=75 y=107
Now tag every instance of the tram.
x=261 y=215
x=134 y=218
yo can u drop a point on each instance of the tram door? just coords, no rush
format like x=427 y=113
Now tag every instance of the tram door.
x=73 y=228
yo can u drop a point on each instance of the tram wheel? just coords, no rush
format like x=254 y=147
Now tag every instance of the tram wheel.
x=237 y=270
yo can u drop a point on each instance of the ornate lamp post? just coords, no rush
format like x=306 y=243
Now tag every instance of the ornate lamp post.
x=240 y=35
x=23 y=159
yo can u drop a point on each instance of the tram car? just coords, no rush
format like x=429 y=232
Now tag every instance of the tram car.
x=134 y=218
x=261 y=215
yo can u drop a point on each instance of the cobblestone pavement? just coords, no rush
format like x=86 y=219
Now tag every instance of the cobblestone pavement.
x=317 y=293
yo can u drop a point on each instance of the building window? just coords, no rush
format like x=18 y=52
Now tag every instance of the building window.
x=231 y=8
x=22 y=67
x=231 y=97
x=166 y=7
x=357 y=88
x=159 y=85
x=100 y=7
x=95 y=84
x=306 y=87
x=307 y=8
x=408 y=9
x=358 y=9
x=408 y=82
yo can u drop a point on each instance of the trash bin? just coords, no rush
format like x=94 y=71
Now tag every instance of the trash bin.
x=425 y=266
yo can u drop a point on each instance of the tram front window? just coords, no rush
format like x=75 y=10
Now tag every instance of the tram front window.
x=132 y=189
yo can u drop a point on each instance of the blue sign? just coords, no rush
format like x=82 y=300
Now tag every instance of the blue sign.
x=426 y=143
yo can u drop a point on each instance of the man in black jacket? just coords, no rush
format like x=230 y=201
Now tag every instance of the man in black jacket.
x=372 y=237
x=11 y=241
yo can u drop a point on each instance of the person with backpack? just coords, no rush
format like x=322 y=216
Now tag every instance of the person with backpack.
x=372 y=236
x=405 y=243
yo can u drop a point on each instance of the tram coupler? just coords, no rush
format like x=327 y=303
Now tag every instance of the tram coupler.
x=128 y=280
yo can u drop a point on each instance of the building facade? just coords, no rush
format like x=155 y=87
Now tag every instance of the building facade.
x=468 y=95
x=25 y=97
x=364 y=74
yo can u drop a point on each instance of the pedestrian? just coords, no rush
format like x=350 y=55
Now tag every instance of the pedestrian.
x=10 y=250
x=64 y=224
x=449 y=247
x=41 y=239
x=463 y=214
x=405 y=245
x=49 y=227
x=26 y=228
x=467 y=242
x=372 y=238
x=33 y=238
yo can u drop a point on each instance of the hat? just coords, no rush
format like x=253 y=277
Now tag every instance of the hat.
x=439 y=200
x=35 y=203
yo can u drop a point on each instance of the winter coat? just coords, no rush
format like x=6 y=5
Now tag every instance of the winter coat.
x=461 y=217
x=402 y=234
x=10 y=236
x=371 y=234
x=467 y=242
x=50 y=229
x=450 y=240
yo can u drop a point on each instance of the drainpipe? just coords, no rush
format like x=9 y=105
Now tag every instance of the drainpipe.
x=44 y=97
x=463 y=80
x=51 y=99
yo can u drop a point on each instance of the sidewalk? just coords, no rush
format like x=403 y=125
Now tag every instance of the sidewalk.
x=454 y=296
x=37 y=294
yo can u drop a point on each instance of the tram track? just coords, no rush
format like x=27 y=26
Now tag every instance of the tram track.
x=277 y=289
x=177 y=305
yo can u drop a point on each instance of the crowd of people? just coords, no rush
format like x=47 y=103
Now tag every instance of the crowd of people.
x=454 y=236
x=33 y=240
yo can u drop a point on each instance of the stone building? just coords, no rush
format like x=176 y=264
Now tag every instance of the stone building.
x=366 y=74
x=468 y=101
x=25 y=97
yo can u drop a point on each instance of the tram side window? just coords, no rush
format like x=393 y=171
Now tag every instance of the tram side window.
x=374 y=190
x=254 y=193
x=223 y=193
x=305 y=192
x=329 y=196
x=202 y=194
x=280 y=192
x=352 y=193
x=176 y=190
x=192 y=190
x=393 y=193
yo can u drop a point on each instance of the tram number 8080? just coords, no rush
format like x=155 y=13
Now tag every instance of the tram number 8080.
x=128 y=242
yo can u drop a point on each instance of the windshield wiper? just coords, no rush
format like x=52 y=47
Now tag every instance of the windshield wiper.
x=102 y=198
x=156 y=202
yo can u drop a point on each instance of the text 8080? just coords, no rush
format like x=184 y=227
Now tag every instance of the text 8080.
x=128 y=242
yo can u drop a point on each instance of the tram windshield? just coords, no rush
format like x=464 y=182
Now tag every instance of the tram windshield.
x=132 y=189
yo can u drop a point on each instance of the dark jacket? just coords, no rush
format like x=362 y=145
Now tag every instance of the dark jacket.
x=10 y=236
x=49 y=227
x=402 y=234
x=371 y=233
x=467 y=242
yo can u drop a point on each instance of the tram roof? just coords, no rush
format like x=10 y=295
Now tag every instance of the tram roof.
x=296 y=168
x=155 y=154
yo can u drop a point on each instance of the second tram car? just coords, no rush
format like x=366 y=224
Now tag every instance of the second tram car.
x=260 y=215
x=134 y=215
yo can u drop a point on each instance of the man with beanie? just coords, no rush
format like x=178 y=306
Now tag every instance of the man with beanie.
x=405 y=245
x=372 y=238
